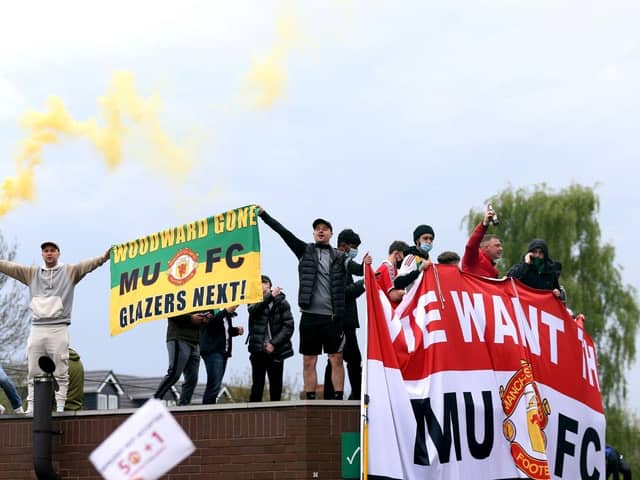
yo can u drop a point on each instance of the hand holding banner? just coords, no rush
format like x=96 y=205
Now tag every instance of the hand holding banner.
x=210 y=263
x=480 y=378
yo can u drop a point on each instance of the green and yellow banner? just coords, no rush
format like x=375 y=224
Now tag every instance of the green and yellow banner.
x=209 y=263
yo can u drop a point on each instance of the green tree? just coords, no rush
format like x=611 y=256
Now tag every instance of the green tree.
x=14 y=318
x=567 y=221
x=14 y=324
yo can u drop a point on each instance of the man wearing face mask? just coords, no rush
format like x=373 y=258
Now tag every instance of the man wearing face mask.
x=388 y=271
x=321 y=298
x=348 y=242
x=416 y=258
x=537 y=269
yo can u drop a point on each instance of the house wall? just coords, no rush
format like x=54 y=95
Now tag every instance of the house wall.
x=90 y=400
x=267 y=441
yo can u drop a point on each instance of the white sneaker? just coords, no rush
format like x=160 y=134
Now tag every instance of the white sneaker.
x=19 y=411
x=2 y=409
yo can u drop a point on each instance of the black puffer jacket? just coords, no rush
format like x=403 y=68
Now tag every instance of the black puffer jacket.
x=308 y=267
x=215 y=336
x=544 y=278
x=275 y=313
x=308 y=270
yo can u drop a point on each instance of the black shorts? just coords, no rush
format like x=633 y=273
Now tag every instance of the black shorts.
x=318 y=332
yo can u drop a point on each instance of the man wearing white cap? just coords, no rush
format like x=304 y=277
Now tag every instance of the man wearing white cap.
x=51 y=288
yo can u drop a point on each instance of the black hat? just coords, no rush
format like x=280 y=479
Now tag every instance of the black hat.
x=349 y=237
x=318 y=221
x=49 y=244
x=266 y=279
x=421 y=230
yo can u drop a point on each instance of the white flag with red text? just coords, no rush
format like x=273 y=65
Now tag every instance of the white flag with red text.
x=474 y=378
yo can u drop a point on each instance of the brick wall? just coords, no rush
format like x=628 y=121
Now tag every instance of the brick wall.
x=268 y=441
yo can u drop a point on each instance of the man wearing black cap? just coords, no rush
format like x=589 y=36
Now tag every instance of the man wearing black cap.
x=348 y=242
x=416 y=258
x=51 y=287
x=270 y=331
x=321 y=297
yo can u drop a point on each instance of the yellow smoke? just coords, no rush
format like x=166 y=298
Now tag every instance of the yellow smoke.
x=266 y=81
x=121 y=106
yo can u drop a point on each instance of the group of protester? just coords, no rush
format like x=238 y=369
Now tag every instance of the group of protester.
x=327 y=299
x=209 y=336
x=327 y=295
x=327 y=292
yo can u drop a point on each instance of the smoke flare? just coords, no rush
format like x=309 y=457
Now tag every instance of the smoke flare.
x=121 y=103
x=267 y=79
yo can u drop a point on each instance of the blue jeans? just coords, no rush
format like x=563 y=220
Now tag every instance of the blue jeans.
x=183 y=358
x=216 y=364
x=10 y=390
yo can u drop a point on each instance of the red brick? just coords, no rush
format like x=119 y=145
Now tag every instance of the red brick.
x=273 y=443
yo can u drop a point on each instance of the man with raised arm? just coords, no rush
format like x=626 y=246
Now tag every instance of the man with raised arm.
x=483 y=249
x=321 y=297
x=51 y=286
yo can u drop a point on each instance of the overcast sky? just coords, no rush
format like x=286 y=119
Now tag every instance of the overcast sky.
x=373 y=115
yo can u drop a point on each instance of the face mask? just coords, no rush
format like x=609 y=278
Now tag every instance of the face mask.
x=537 y=262
x=352 y=253
x=426 y=247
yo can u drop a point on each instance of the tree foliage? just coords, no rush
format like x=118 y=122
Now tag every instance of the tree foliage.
x=567 y=220
x=14 y=318
x=623 y=432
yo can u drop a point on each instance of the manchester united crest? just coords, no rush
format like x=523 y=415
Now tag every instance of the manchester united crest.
x=182 y=266
x=527 y=417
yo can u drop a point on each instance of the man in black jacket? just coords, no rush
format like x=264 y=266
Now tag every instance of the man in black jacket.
x=537 y=269
x=270 y=331
x=216 y=333
x=321 y=298
x=348 y=242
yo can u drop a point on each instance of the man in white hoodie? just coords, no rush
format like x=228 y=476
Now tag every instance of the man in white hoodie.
x=51 y=287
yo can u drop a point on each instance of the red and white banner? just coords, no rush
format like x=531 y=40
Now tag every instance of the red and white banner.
x=473 y=378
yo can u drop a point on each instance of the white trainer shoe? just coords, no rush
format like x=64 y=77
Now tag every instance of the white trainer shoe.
x=19 y=411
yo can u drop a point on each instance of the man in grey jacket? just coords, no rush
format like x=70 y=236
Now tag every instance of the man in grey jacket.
x=51 y=288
